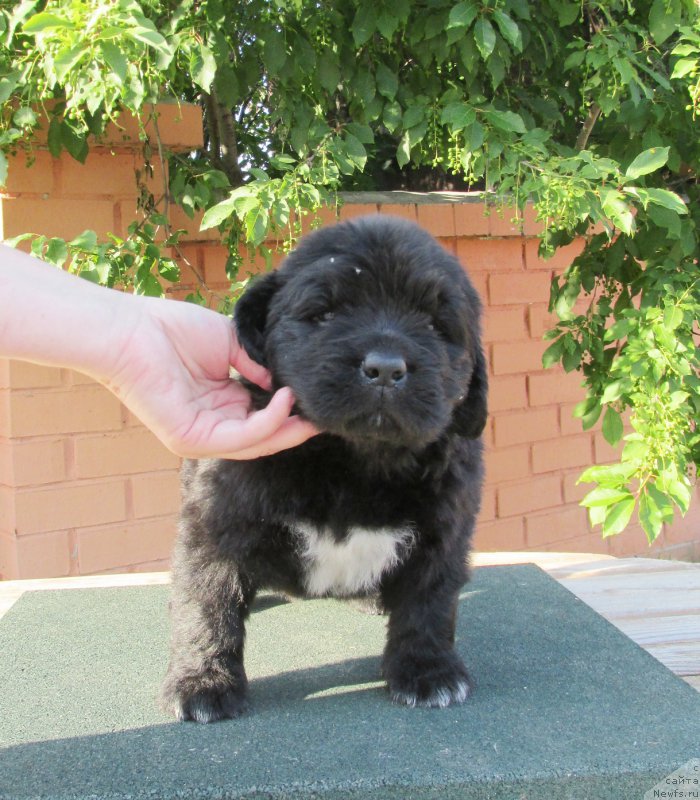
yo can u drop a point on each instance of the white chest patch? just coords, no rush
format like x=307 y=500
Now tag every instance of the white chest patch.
x=354 y=565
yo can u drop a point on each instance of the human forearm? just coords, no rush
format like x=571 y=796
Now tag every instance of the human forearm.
x=50 y=317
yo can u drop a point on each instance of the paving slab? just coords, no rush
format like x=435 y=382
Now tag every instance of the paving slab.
x=565 y=706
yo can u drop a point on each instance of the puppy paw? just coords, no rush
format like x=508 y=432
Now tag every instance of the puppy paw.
x=201 y=700
x=431 y=683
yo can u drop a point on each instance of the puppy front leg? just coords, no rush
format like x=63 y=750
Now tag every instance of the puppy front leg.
x=206 y=680
x=420 y=663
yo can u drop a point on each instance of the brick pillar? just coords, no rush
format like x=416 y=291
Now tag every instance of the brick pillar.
x=84 y=487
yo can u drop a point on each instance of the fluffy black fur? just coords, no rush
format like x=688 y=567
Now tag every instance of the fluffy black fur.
x=376 y=329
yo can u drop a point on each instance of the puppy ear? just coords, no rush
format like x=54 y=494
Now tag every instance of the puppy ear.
x=469 y=417
x=250 y=315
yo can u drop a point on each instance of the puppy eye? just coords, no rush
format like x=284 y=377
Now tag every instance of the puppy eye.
x=431 y=326
x=326 y=316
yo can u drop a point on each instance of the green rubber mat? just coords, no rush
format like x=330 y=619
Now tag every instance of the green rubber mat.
x=564 y=705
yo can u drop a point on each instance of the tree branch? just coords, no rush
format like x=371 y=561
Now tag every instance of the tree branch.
x=589 y=123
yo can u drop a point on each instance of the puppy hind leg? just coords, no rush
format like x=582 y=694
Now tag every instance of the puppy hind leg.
x=206 y=680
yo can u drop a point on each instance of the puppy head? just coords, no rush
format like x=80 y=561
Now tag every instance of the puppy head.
x=375 y=327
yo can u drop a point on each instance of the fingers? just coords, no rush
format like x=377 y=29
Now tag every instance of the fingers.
x=248 y=368
x=293 y=432
x=262 y=433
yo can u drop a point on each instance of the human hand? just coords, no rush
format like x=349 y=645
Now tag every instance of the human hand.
x=172 y=371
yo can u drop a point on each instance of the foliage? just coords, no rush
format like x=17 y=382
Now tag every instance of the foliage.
x=587 y=109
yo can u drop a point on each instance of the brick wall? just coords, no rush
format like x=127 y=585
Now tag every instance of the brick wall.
x=85 y=488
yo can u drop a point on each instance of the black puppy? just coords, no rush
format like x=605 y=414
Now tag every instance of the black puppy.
x=375 y=327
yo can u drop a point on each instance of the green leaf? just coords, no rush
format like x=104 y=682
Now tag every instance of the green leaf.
x=462 y=15
x=509 y=30
x=403 y=151
x=45 y=20
x=115 y=60
x=214 y=216
x=75 y=142
x=485 y=37
x=568 y=13
x=364 y=24
x=650 y=516
x=328 y=71
x=605 y=496
x=387 y=81
x=612 y=426
x=56 y=251
x=683 y=67
x=86 y=241
x=552 y=355
x=588 y=411
x=617 y=210
x=24 y=117
x=667 y=199
x=663 y=20
x=618 y=517
x=507 y=121
x=649 y=161
x=3 y=169
x=202 y=66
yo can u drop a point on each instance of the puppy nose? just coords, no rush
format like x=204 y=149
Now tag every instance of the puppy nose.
x=384 y=369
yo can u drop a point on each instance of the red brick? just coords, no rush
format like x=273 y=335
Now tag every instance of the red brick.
x=590 y=543
x=470 y=219
x=512 y=358
x=505 y=221
x=500 y=535
x=553 y=526
x=123 y=453
x=5 y=426
x=349 y=210
x=540 y=320
x=504 y=324
x=54 y=217
x=437 y=218
x=574 y=491
x=480 y=283
x=605 y=453
x=106 y=547
x=8 y=558
x=44 y=556
x=511 y=463
x=117 y=176
x=488 y=504
x=179 y=128
x=561 y=259
x=685 y=529
x=24 y=375
x=523 y=427
x=7 y=469
x=562 y=453
x=507 y=393
x=488 y=255
x=633 y=542
x=569 y=423
x=7 y=510
x=404 y=210
x=91 y=408
x=62 y=507
x=511 y=288
x=531 y=495
x=555 y=386
x=531 y=226
x=30 y=175
x=156 y=495
x=38 y=462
